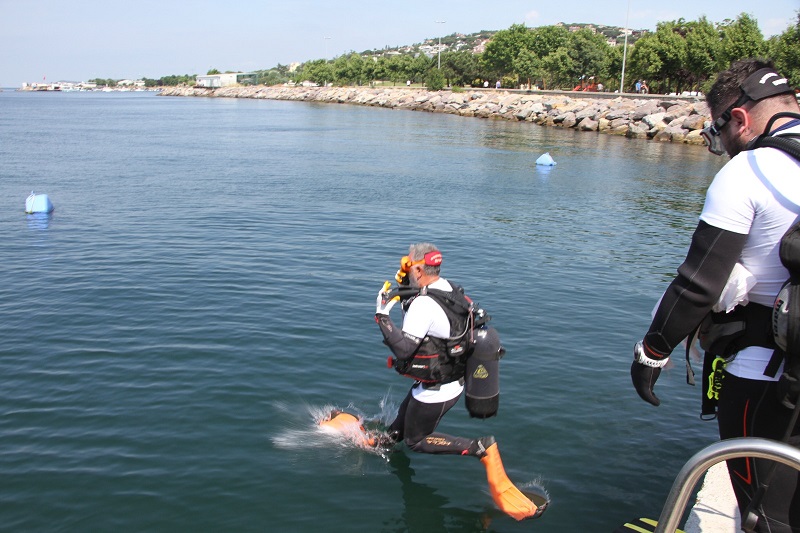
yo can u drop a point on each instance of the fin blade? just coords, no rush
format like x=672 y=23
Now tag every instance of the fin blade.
x=505 y=494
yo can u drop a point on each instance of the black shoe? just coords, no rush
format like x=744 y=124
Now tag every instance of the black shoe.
x=479 y=446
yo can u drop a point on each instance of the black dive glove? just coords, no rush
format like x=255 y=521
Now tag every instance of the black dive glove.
x=644 y=373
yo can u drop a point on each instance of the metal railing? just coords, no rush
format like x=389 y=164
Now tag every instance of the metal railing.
x=700 y=462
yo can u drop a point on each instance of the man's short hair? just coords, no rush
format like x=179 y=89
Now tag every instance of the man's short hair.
x=417 y=252
x=728 y=86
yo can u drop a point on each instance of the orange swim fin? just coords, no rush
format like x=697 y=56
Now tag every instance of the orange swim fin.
x=506 y=496
x=348 y=425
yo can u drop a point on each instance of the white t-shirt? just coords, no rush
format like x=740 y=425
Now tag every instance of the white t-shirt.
x=757 y=194
x=426 y=317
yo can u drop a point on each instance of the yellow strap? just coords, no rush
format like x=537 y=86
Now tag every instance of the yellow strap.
x=648 y=521
x=637 y=528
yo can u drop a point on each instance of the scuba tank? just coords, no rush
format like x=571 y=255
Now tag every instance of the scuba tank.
x=482 y=378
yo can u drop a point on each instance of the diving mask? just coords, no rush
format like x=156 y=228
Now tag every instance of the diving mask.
x=433 y=258
x=711 y=135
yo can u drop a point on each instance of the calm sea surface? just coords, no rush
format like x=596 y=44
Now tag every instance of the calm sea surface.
x=205 y=289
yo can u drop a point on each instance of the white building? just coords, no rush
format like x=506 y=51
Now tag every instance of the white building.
x=218 y=80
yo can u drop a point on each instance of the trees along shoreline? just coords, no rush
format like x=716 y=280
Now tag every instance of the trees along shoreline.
x=679 y=56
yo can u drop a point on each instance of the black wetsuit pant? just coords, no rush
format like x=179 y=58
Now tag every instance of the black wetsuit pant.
x=750 y=408
x=416 y=424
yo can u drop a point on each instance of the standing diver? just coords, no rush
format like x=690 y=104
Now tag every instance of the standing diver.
x=421 y=352
x=749 y=206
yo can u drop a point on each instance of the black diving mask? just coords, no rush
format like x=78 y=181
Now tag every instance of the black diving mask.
x=712 y=134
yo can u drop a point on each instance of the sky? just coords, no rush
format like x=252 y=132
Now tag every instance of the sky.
x=78 y=40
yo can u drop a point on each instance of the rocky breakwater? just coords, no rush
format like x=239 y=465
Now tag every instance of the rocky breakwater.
x=660 y=118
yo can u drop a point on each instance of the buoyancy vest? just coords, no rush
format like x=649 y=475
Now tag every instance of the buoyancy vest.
x=440 y=360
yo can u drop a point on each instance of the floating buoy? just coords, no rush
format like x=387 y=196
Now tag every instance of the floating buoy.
x=545 y=160
x=38 y=203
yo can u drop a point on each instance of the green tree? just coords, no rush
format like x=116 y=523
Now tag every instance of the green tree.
x=527 y=65
x=505 y=46
x=434 y=80
x=271 y=77
x=644 y=61
x=399 y=68
x=317 y=71
x=661 y=56
x=702 y=50
x=741 y=39
x=348 y=69
x=557 y=69
x=611 y=73
x=547 y=39
x=180 y=79
x=785 y=51
x=369 y=68
x=587 y=51
x=419 y=67
x=212 y=71
x=460 y=68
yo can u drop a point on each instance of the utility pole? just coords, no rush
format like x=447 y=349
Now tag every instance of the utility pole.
x=440 y=44
x=625 y=50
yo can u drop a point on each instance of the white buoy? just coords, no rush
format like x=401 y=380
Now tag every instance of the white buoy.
x=545 y=160
x=38 y=203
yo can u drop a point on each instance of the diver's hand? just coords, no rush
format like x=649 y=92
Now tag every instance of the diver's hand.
x=401 y=277
x=382 y=304
x=644 y=374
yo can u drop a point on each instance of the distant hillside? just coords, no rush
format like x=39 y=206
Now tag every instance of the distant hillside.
x=476 y=41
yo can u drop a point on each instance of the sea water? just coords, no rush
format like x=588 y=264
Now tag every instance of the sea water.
x=204 y=291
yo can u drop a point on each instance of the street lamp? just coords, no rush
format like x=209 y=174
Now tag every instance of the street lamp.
x=326 y=57
x=440 y=44
x=624 y=51
x=326 y=47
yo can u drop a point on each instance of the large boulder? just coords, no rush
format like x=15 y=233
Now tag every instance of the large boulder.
x=695 y=122
x=620 y=122
x=642 y=111
x=587 y=124
x=636 y=132
x=654 y=120
x=694 y=137
x=569 y=120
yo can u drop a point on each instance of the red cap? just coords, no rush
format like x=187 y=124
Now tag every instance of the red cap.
x=433 y=258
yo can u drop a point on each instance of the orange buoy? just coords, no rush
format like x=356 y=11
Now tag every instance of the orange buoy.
x=505 y=494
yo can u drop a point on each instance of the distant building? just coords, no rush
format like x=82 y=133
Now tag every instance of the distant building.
x=221 y=80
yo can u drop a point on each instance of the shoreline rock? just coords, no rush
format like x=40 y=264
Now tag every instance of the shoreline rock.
x=654 y=117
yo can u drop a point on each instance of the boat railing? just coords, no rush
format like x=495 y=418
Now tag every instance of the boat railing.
x=699 y=463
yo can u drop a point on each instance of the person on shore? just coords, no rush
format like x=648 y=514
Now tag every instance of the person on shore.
x=497 y=85
x=638 y=86
x=749 y=206
x=425 y=328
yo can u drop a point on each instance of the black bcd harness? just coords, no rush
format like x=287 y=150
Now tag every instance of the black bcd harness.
x=442 y=360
